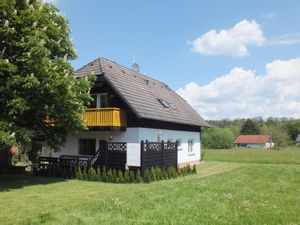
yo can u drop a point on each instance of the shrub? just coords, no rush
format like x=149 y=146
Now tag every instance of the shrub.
x=104 y=174
x=147 y=177
x=158 y=173
x=131 y=176
x=194 y=171
x=92 y=175
x=99 y=176
x=120 y=177
x=138 y=177
x=153 y=174
x=126 y=176
x=109 y=177
x=79 y=173
x=84 y=174
x=114 y=176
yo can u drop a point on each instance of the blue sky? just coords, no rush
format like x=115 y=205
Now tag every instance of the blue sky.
x=197 y=47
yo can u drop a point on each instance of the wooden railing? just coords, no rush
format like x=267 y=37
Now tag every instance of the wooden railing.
x=105 y=117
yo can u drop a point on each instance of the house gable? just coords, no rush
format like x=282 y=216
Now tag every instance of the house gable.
x=144 y=95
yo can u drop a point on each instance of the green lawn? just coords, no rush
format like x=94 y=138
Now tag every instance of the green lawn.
x=220 y=193
x=282 y=156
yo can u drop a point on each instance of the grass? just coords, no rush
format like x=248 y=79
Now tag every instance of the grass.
x=282 y=156
x=220 y=193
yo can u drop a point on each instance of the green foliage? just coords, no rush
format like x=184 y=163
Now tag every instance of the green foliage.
x=92 y=174
x=138 y=177
x=79 y=175
x=194 y=169
x=131 y=177
x=217 y=138
x=84 y=174
x=147 y=176
x=293 y=129
x=120 y=177
x=250 y=127
x=36 y=81
x=99 y=176
x=126 y=176
x=109 y=177
x=114 y=175
x=104 y=174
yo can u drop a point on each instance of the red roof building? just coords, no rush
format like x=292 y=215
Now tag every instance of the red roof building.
x=254 y=141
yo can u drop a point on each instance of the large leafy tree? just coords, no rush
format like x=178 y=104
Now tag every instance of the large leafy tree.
x=250 y=127
x=39 y=96
x=217 y=138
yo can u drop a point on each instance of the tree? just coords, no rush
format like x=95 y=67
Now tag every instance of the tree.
x=249 y=127
x=39 y=96
x=217 y=138
x=293 y=129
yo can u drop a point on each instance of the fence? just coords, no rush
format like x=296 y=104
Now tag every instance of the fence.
x=161 y=154
x=112 y=156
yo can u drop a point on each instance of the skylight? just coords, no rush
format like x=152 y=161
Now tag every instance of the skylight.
x=167 y=104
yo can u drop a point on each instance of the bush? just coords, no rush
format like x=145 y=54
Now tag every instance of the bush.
x=194 y=171
x=131 y=177
x=99 y=176
x=84 y=174
x=138 y=177
x=126 y=177
x=92 y=175
x=78 y=174
x=115 y=176
x=120 y=177
x=217 y=138
x=153 y=174
x=147 y=177
x=104 y=174
x=109 y=177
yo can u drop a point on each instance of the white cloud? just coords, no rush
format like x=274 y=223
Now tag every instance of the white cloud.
x=287 y=39
x=49 y=1
x=268 y=15
x=243 y=93
x=232 y=42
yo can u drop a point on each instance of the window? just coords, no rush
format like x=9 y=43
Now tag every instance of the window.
x=166 y=104
x=103 y=100
x=179 y=143
x=93 y=103
x=99 y=100
x=87 y=146
x=190 y=145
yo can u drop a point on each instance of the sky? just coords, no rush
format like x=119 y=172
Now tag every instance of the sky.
x=228 y=59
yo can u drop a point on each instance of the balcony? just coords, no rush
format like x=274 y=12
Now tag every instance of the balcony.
x=105 y=117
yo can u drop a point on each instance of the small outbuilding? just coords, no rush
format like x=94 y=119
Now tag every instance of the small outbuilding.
x=254 y=141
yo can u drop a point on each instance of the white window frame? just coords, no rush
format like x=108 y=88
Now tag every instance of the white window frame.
x=179 y=146
x=190 y=145
x=98 y=102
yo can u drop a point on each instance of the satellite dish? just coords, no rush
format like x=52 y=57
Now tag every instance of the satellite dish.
x=136 y=67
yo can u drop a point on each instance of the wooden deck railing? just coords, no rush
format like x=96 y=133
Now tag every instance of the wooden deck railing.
x=105 y=117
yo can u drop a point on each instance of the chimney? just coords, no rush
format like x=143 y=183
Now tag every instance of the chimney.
x=135 y=67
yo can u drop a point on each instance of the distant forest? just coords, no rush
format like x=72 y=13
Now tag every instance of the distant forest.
x=224 y=132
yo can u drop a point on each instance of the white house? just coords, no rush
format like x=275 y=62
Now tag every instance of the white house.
x=130 y=107
x=254 y=141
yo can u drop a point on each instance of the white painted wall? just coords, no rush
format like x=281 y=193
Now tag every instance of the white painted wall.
x=136 y=135
x=72 y=145
x=183 y=155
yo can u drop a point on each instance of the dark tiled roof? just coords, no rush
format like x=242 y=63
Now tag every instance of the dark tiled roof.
x=252 y=139
x=141 y=93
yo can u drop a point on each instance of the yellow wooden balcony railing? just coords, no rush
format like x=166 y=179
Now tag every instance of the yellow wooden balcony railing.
x=105 y=117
